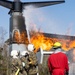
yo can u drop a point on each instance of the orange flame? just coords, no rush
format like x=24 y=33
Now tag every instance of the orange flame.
x=46 y=43
x=20 y=37
x=39 y=40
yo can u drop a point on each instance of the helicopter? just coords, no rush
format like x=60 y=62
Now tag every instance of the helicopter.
x=17 y=20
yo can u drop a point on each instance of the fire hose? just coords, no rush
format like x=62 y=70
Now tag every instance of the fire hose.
x=17 y=71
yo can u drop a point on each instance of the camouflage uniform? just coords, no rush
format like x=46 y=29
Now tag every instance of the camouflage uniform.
x=25 y=65
x=32 y=63
x=16 y=65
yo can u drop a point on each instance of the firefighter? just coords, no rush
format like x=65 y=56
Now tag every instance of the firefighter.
x=16 y=65
x=71 y=57
x=58 y=61
x=24 y=59
x=33 y=70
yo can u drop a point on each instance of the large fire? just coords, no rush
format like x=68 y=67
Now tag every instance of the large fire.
x=40 y=41
x=46 y=43
x=20 y=37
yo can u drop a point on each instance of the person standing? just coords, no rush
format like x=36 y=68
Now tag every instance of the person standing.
x=33 y=68
x=24 y=59
x=58 y=61
x=16 y=65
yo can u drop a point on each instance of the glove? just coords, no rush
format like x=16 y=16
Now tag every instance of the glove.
x=30 y=62
x=67 y=73
x=23 y=64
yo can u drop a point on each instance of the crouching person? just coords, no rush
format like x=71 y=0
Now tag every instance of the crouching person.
x=32 y=60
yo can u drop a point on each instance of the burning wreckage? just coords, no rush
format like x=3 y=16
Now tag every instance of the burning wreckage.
x=18 y=32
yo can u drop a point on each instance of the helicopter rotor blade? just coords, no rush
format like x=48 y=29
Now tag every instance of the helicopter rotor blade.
x=42 y=4
x=5 y=3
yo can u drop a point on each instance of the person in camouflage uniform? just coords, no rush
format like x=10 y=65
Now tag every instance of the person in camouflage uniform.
x=32 y=60
x=16 y=64
x=24 y=60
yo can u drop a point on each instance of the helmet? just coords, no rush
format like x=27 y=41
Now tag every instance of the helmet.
x=14 y=53
x=24 y=53
x=31 y=47
x=57 y=44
